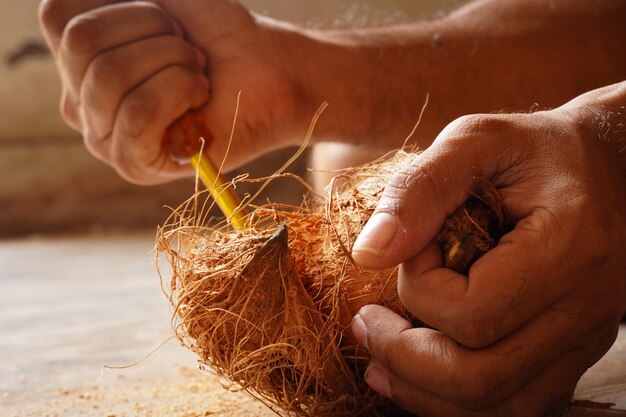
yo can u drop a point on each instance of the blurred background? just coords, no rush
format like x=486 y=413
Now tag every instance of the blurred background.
x=48 y=181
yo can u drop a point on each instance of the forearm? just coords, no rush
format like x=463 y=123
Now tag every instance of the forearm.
x=486 y=57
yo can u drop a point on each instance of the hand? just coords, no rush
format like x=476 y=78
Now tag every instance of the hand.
x=130 y=69
x=514 y=336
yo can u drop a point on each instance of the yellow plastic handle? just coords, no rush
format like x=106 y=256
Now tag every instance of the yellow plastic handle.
x=183 y=140
x=224 y=196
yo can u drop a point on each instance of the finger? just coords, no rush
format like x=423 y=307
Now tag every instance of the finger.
x=68 y=108
x=98 y=30
x=434 y=362
x=505 y=288
x=427 y=260
x=417 y=200
x=54 y=15
x=551 y=401
x=112 y=74
x=547 y=395
x=142 y=119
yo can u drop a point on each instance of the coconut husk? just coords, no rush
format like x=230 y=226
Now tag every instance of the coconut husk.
x=268 y=308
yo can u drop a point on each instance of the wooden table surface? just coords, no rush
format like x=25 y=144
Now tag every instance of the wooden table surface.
x=70 y=305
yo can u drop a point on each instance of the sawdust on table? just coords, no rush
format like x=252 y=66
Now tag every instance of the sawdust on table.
x=185 y=393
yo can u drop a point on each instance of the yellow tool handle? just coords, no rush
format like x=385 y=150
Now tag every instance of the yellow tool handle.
x=184 y=139
x=224 y=196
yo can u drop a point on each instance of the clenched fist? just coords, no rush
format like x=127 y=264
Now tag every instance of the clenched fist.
x=131 y=68
x=514 y=336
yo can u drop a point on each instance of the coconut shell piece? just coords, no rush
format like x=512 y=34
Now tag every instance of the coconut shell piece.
x=473 y=229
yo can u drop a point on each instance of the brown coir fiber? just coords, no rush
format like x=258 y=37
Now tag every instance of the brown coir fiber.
x=269 y=308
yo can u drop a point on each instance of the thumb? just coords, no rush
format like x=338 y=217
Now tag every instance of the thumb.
x=419 y=198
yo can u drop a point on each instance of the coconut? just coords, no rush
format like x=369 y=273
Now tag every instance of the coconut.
x=268 y=308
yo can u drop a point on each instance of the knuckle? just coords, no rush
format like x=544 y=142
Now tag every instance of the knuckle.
x=49 y=16
x=179 y=52
x=105 y=70
x=421 y=179
x=422 y=176
x=401 y=348
x=120 y=161
x=472 y=330
x=393 y=354
x=472 y=126
x=96 y=146
x=82 y=34
x=131 y=177
x=153 y=8
x=399 y=186
x=155 y=16
x=69 y=112
x=476 y=387
x=139 y=110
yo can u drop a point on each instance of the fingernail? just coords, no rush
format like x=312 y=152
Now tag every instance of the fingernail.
x=376 y=235
x=181 y=160
x=377 y=379
x=200 y=57
x=359 y=330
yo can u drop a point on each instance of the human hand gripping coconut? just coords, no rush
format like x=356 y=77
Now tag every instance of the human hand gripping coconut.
x=269 y=307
